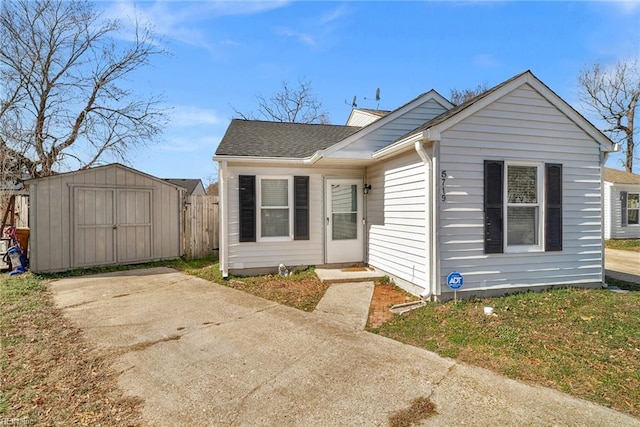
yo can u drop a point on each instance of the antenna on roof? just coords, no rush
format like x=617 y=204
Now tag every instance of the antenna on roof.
x=377 y=98
x=353 y=103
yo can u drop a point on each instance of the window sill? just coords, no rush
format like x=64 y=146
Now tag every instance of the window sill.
x=523 y=249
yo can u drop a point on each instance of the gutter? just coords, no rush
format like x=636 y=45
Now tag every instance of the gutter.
x=603 y=159
x=314 y=158
x=431 y=218
x=223 y=203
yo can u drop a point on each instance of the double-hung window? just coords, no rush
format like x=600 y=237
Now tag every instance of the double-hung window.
x=633 y=208
x=523 y=207
x=273 y=208
x=274 y=202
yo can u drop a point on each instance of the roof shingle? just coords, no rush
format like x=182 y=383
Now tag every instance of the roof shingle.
x=256 y=138
x=620 y=177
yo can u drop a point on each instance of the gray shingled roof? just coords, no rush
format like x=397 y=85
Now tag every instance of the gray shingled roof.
x=256 y=138
x=188 y=184
x=620 y=177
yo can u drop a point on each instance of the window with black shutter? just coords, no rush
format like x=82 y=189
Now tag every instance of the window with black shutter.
x=301 y=207
x=247 y=197
x=553 y=210
x=493 y=206
x=514 y=203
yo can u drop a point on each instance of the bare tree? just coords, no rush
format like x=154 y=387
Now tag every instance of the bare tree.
x=64 y=99
x=612 y=95
x=461 y=96
x=290 y=104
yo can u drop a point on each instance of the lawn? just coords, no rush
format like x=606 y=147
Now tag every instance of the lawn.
x=582 y=342
x=625 y=245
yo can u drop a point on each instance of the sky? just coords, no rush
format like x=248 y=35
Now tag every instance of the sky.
x=221 y=55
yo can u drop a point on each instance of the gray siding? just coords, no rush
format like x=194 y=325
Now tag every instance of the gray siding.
x=520 y=126
x=72 y=218
x=397 y=218
x=246 y=255
x=393 y=130
x=613 y=213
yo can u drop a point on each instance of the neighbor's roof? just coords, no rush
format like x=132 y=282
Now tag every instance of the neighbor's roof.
x=621 y=177
x=256 y=138
x=186 y=183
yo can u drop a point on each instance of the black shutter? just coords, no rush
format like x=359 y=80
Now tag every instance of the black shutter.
x=247 y=208
x=493 y=206
x=624 y=217
x=301 y=207
x=553 y=207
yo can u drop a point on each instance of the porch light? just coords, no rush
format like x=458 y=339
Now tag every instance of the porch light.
x=366 y=188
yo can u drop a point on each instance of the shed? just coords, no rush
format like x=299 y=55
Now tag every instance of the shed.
x=106 y=215
x=621 y=204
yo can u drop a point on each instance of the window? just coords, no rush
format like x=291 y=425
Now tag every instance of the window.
x=273 y=208
x=633 y=208
x=522 y=206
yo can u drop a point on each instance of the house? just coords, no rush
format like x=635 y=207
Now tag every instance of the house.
x=194 y=187
x=106 y=215
x=621 y=204
x=504 y=190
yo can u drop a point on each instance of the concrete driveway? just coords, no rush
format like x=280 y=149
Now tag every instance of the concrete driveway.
x=622 y=265
x=200 y=354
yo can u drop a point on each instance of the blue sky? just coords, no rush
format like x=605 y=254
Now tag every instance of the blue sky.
x=223 y=54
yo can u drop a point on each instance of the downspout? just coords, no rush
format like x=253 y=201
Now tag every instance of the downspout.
x=431 y=219
x=603 y=159
x=223 y=206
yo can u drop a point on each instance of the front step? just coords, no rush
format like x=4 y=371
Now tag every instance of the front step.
x=347 y=275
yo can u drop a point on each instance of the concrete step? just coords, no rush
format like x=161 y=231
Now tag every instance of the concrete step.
x=347 y=275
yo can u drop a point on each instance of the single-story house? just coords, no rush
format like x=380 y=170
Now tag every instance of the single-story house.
x=106 y=215
x=504 y=190
x=194 y=187
x=621 y=204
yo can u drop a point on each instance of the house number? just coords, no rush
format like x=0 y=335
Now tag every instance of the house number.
x=443 y=180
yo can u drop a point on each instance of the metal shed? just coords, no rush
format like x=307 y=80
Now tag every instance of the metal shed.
x=105 y=215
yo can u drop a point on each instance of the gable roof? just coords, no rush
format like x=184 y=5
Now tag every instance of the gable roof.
x=186 y=183
x=620 y=177
x=255 y=138
x=432 y=129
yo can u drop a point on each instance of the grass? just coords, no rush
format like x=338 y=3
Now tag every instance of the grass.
x=582 y=342
x=625 y=245
x=48 y=373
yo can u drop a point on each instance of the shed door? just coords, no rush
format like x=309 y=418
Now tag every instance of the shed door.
x=133 y=229
x=111 y=226
x=94 y=231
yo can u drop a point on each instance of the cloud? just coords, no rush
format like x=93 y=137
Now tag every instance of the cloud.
x=334 y=15
x=485 y=60
x=178 y=21
x=304 y=38
x=190 y=115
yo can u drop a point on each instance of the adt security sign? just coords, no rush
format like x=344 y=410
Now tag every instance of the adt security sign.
x=455 y=280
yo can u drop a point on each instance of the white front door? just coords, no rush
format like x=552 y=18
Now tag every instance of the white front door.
x=343 y=221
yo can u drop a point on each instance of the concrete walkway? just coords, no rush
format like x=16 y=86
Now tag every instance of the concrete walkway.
x=201 y=354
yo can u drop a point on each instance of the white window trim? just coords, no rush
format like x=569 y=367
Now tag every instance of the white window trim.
x=629 y=193
x=259 y=237
x=541 y=207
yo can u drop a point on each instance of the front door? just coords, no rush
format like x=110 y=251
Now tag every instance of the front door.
x=344 y=229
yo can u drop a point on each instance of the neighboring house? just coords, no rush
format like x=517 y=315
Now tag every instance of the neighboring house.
x=194 y=187
x=621 y=204
x=504 y=189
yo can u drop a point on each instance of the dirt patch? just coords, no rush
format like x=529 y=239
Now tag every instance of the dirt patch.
x=385 y=296
x=51 y=376
x=421 y=408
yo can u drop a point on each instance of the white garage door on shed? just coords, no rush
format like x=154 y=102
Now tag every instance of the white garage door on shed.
x=106 y=215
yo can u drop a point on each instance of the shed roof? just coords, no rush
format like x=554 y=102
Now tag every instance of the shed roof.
x=620 y=177
x=277 y=139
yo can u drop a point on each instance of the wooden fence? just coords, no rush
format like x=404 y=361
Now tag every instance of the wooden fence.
x=201 y=227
